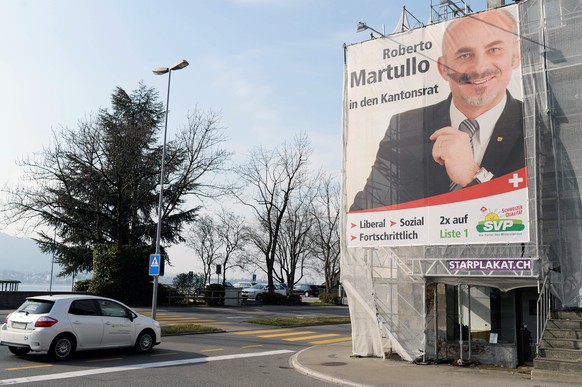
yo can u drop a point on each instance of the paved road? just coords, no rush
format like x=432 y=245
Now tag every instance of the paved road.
x=233 y=318
x=246 y=355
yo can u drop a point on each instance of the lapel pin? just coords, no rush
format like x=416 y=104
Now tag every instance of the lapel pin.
x=499 y=139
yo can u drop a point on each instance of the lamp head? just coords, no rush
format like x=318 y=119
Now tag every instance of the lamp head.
x=361 y=27
x=180 y=65
x=160 y=70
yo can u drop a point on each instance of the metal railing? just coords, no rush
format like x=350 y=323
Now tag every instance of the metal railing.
x=543 y=309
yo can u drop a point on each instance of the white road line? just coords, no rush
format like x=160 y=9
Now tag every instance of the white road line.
x=171 y=363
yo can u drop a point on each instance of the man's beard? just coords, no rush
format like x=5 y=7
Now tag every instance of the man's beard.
x=482 y=98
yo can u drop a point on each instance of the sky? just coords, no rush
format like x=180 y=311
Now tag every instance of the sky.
x=272 y=68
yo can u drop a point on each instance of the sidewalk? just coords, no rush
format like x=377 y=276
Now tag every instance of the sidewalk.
x=333 y=363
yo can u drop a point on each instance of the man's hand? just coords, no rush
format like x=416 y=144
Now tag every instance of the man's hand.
x=452 y=148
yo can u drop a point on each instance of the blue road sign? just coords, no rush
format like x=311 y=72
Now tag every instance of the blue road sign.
x=154 y=264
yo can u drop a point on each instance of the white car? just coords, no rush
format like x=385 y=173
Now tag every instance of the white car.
x=63 y=324
x=257 y=291
x=242 y=284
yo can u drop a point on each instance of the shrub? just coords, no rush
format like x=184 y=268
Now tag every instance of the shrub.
x=122 y=273
x=82 y=285
x=328 y=298
x=214 y=295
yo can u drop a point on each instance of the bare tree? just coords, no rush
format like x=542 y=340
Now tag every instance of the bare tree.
x=295 y=242
x=234 y=233
x=204 y=239
x=326 y=238
x=272 y=177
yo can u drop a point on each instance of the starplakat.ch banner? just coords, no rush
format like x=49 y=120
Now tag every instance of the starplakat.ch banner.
x=405 y=97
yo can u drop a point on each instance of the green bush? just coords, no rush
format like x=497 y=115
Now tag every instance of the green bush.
x=82 y=285
x=122 y=273
x=214 y=295
x=163 y=291
x=328 y=298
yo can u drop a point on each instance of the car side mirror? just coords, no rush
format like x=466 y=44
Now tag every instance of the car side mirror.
x=132 y=316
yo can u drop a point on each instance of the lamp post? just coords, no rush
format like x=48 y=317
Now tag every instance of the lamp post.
x=160 y=71
x=362 y=26
x=53 y=262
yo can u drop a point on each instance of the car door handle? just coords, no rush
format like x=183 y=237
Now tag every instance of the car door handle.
x=108 y=323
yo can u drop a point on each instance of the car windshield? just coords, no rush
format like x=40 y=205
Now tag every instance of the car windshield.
x=36 y=306
x=257 y=286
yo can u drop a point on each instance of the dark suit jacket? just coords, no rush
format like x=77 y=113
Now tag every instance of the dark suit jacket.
x=405 y=170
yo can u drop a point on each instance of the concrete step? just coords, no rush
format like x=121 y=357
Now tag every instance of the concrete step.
x=567 y=314
x=561 y=343
x=555 y=376
x=556 y=333
x=558 y=365
x=561 y=354
x=564 y=324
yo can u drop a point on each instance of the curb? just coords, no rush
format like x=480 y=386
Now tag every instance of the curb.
x=295 y=364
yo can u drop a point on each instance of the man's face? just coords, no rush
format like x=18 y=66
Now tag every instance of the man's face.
x=479 y=55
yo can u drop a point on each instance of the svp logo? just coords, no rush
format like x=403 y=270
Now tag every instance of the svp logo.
x=493 y=223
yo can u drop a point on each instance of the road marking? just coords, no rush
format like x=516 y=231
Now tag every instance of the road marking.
x=258 y=332
x=164 y=354
x=106 y=370
x=331 y=341
x=285 y=334
x=252 y=346
x=311 y=337
x=212 y=350
x=29 y=367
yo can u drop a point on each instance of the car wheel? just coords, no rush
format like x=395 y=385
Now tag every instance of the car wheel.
x=259 y=298
x=62 y=347
x=19 y=351
x=145 y=342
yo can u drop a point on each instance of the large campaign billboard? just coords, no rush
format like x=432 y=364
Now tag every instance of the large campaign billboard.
x=433 y=135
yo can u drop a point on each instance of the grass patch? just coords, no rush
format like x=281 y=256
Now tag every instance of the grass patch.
x=294 y=321
x=187 y=328
x=320 y=303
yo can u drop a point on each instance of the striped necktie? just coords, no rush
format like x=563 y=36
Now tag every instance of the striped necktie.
x=470 y=127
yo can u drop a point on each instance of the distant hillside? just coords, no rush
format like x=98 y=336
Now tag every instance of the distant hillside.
x=23 y=255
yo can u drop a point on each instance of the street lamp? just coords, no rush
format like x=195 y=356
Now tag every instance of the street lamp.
x=160 y=71
x=362 y=26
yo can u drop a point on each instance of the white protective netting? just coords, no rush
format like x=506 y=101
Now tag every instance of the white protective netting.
x=386 y=285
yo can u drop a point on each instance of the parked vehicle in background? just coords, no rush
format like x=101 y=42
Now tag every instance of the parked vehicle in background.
x=243 y=284
x=63 y=324
x=287 y=290
x=257 y=291
x=306 y=290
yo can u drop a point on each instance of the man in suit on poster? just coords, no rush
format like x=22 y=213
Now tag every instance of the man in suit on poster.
x=476 y=134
